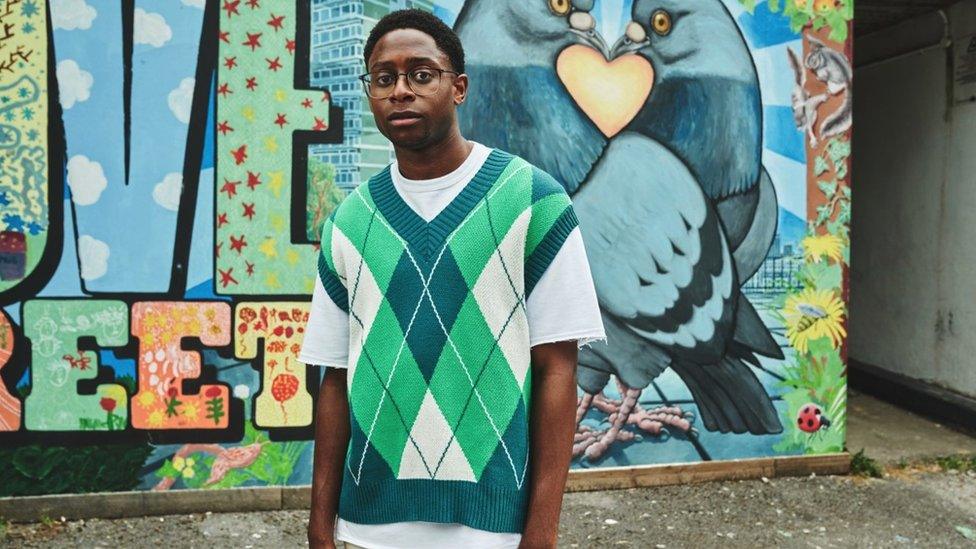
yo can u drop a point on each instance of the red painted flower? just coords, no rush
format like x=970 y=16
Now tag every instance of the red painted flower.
x=284 y=386
x=171 y=392
x=213 y=392
x=108 y=404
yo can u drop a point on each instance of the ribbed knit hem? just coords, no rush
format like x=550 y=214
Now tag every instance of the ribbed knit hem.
x=445 y=501
x=333 y=286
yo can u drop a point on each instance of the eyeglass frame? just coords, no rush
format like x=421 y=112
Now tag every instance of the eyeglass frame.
x=366 y=84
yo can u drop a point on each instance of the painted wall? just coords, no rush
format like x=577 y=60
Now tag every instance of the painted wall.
x=913 y=308
x=164 y=169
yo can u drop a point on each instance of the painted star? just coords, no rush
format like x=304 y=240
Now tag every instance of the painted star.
x=230 y=6
x=271 y=281
x=253 y=40
x=222 y=220
x=320 y=125
x=290 y=45
x=274 y=64
x=253 y=180
x=277 y=180
x=253 y=4
x=224 y=36
x=281 y=120
x=226 y=277
x=268 y=248
x=307 y=103
x=240 y=154
x=291 y=256
x=224 y=89
x=224 y=127
x=250 y=267
x=251 y=83
x=230 y=62
x=238 y=244
x=271 y=144
x=230 y=187
x=248 y=210
x=29 y=8
x=276 y=22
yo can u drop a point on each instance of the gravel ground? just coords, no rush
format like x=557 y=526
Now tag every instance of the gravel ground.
x=919 y=506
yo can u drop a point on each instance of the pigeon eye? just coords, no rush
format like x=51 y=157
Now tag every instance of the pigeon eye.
x=661 y=22
x=559 y=7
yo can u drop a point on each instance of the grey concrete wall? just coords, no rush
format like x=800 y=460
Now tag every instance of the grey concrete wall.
x=913 y=290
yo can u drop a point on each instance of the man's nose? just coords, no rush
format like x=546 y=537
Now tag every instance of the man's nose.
x=401 y=89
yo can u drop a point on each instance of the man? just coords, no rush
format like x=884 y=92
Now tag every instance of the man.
x=452 y=298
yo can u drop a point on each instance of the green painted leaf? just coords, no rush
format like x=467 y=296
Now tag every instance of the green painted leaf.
x=820 y=166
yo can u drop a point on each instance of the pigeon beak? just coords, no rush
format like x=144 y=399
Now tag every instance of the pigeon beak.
x=593 y=39
x=634 y=38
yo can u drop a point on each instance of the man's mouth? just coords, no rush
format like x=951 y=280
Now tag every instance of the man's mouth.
x=404 y=118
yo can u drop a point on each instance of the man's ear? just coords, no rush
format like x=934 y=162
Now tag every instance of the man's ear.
x=460 y=88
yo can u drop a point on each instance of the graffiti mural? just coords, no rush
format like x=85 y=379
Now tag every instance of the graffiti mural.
x=165 y=168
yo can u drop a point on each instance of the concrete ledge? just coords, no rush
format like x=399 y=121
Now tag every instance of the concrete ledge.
x=271 y=498
x=612 y=478
x=913 y=394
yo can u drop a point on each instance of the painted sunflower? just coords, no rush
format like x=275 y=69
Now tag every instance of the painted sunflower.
x=813 y=314
x=817 y=247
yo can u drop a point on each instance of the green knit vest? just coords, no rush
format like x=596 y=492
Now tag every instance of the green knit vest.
x=439 y=379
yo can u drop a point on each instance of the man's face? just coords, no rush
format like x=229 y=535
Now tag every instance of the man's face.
x=408 y=120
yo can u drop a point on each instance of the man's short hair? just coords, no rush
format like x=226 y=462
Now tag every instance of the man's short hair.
x=425 y=22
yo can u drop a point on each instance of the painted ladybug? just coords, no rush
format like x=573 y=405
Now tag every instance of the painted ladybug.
x=811 y=419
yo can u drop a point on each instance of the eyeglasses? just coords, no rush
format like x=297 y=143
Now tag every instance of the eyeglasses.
x=421 y=81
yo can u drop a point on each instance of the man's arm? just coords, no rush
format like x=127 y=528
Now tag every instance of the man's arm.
x=331 y=443
x=552 y=423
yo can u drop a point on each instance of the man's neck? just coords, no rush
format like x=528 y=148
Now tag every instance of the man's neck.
x=434 y=161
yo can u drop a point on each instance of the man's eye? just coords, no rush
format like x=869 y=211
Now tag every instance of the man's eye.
x=422 y=75
x=383 y=79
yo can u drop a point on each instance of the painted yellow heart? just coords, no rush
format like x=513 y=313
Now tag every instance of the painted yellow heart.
x=610 y=93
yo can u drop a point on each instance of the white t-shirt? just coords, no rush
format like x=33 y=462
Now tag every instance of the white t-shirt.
x=562 y=307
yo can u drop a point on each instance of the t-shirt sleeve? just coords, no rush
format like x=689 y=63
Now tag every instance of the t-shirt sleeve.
x=326 y=340
x=564 y=305
x=552 y=219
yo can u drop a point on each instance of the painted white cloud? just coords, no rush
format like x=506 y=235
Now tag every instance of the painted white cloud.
x=74 y=83
x=167 y=192
x=93 y=256
x=85 y=179
x=241 y=391
x=150 y=28
x=195 y=3
x=180 y=100
x=72 y=14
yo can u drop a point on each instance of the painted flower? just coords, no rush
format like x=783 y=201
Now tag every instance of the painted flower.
x=146 y=399
x=184 y=466
x=213 y=392
x=190 y=411
x=155 y=419
x=817 y=247
x=108 y=404
x=812 y=314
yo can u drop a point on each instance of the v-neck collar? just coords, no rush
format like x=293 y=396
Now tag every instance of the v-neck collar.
x=423 y=236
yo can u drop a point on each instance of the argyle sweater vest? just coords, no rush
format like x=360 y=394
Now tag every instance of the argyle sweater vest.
x=439 y=379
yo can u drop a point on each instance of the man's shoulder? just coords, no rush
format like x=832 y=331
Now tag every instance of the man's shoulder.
x=542 y=182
